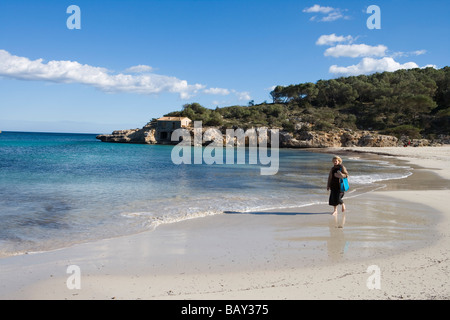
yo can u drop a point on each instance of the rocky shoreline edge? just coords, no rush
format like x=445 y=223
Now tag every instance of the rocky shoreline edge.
x=297 y=139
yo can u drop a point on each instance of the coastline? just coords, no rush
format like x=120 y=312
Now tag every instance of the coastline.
x=262 y=255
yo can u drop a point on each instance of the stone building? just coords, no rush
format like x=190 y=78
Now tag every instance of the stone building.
x=166 y=125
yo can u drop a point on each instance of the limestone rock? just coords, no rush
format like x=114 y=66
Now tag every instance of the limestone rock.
x=145 y=135
x=336 y=138
x=298 y=139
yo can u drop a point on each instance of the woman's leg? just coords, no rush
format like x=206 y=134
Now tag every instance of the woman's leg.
x=341 y=195
x=335 y=211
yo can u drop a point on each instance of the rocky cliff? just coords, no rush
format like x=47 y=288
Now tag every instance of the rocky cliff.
x=336 y=138
x=146 y=135
x=298 y=139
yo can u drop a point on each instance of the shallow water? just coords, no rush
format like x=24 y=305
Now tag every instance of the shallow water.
x=61 y=189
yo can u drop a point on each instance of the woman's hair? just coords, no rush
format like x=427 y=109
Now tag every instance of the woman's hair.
x=338 y=158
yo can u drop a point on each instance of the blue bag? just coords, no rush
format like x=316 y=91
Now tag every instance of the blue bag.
x=343 y=184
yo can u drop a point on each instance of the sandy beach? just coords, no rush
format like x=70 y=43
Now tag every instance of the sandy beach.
x=394 y=244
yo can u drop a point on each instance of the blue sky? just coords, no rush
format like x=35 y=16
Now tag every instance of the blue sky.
x=135 y=60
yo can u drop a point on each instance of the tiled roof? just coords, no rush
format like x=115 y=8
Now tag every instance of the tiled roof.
x=172 y=118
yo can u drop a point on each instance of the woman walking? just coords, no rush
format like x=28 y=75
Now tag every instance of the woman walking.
x=338 y=171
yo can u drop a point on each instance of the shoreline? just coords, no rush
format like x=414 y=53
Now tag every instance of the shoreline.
x=262 y=255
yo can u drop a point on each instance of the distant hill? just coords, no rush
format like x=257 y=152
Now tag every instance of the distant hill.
x=413 y=103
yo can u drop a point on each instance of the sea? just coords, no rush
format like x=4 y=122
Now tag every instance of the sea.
x=60 y=189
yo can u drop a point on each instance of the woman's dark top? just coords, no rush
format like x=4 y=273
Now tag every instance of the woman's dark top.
x=333 y=182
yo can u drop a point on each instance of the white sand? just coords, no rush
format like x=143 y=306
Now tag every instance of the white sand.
x=267 y=256
x=437 y=158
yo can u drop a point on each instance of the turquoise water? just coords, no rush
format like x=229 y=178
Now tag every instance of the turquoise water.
x=61 y=189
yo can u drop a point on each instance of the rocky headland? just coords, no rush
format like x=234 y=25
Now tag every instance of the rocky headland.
x=297 y=139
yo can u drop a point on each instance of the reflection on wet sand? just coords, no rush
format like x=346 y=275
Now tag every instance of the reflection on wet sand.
x=336 y=243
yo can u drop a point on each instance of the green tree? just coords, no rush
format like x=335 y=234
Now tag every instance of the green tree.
x=215 y=119
x=413 y=106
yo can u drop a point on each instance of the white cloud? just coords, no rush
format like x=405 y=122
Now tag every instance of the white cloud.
x=317 y=8
x=240 y=95
x=331 y=39
x=407 y=54
x=356 y=50
x=419 y=52
x=139 y=69
x=371 y=65
x=244 y=95
x=220 y=91
x=135 y=79
x=430 y=66
x=331 y=14
x=22 y=68
x=375 y=58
